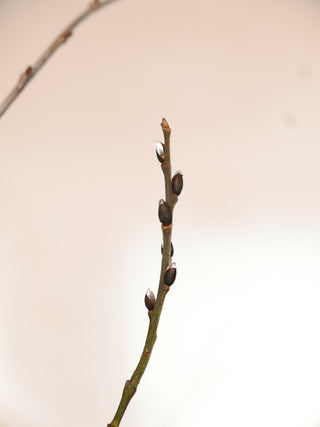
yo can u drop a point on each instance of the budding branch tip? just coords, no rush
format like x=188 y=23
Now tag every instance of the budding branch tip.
x=165 y=125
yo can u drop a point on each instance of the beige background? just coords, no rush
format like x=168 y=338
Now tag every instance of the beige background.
x=238 y=343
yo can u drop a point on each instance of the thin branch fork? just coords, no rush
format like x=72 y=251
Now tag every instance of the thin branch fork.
x=32 y=70
x=154 y=315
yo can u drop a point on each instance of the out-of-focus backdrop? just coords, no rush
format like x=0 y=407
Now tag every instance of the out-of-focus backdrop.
x=238 y=342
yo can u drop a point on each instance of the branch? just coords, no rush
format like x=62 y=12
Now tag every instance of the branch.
x=32 y=70
x=167 y=274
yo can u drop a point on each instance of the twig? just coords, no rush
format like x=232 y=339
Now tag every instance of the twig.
x=164 y=282
x=32 y=70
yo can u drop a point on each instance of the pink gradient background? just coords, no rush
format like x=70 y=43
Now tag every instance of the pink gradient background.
x=238 y=343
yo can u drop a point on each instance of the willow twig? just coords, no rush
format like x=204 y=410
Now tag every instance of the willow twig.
x=32 y=70
x=164 y=284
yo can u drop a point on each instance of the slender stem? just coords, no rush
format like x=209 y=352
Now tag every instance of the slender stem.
x=154 y=315
x=171 y=198
x=32 y=70
x=166 y=166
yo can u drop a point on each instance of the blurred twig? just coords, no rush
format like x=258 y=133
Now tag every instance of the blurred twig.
x=32 y=70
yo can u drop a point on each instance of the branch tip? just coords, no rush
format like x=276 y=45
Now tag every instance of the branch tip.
x=165 y=126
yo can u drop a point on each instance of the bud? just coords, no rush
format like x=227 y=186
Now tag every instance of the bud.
x=165 y=125
x=170 y=274
x=177 y=184
x=149 y=300
x=164 y=213
x=171 y=249
x=160 y=151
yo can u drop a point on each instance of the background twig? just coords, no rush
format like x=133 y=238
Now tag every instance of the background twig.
x=164 y=286
x=31 y=70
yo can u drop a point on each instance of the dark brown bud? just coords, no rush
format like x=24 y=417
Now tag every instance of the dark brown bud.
x=177 y=184
x=149 y=300
x=164 y=213
x=170 y=274
x=160 y=151
x=171 y=249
